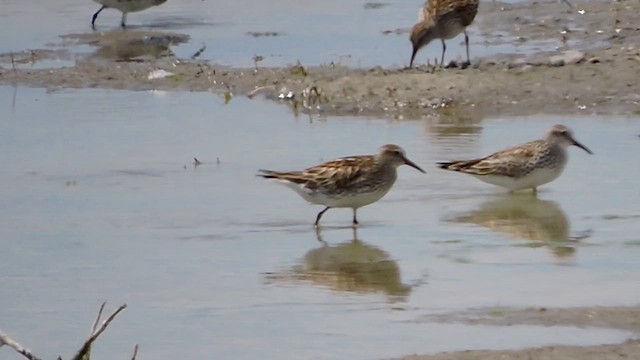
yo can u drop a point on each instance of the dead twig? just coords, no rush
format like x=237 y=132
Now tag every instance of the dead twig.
x=86 y=347
x=255 y=91
x=199 y=52
x=95 y=323
x=6 y=340
x=13 y=64
x=84 y=352
x=135 y=352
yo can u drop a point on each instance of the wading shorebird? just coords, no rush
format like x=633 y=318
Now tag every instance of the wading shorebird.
x=524 y=166
x=126 y=6
x=348 y=182
x=442 y=19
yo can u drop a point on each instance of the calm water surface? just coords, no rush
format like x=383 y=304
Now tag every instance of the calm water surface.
x=99 y=200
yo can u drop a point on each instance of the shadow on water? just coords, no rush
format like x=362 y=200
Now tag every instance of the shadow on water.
x=525 y=217
x=353 y=266
x=454 y=121
x=175 y=22
x=129 y=45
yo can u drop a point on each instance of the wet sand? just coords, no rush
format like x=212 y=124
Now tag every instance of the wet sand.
x=595 y=71
x=627 y=350
x=621 y=318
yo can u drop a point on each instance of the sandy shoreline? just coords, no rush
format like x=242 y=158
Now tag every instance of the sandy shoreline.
x=619 y=318
x=596 y=74
x=628 y=350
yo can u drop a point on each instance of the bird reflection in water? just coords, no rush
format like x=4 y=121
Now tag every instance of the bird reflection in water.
x=353 y=267
x=130 y=45
x=526 y=217
x=454 y=122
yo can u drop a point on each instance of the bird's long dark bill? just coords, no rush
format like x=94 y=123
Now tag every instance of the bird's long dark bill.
x=413 y=165
x=582 y=147
x=413 y=56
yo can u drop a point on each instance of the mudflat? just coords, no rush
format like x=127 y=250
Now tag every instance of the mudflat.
x=621 y=318
x=595 y=71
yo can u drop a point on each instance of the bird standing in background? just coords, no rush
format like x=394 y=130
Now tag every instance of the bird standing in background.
x=126 y=6
x=442 y=19
x=524 y=166
x=348 y=182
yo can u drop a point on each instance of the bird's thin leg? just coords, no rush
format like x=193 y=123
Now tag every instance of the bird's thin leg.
x=355 y=217
x=317 y=223
x=535 y=191
x=444 y=48
x=124 y=20
x=319 y=236
x=95 y=16
x=466 y=43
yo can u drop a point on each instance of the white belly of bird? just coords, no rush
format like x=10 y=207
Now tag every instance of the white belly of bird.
x=355 y=200
x=129 y=5
x=349 y=201
x=534 y=179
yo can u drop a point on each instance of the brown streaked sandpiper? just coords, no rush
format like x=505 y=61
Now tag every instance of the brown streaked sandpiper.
x=524 y=166
x=348 y=182
x=442 y=19
x=125 y=6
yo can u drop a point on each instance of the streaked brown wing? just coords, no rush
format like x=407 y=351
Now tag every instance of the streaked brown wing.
x=340 y=173
x=465 y=10
x=508 y=162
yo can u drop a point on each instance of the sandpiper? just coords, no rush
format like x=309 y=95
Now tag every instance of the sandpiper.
x=126 y=6
x=442 y=19
x=348 y=182
x=524 y=166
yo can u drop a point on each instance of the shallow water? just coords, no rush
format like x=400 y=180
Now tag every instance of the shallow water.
x=314 y=33
x=100 y=200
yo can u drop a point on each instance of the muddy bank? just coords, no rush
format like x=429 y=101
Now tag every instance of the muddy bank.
x=601 y=81
x=587 y=62
x=493 y=88
x=628 y=350
x=620 y=318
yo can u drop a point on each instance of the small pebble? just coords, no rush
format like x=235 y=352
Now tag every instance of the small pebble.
x=567 y=58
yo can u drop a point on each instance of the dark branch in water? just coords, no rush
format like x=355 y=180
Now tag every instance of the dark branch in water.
x=95 y=323
x=84 y=352
x=199 y=52
x=6 y=340
x=86 y=348
x=13 y=63
x=135 y=352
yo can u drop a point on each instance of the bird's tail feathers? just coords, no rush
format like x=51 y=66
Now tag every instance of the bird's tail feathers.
x=459 y=165
x=291 y=177
x=267 y=174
